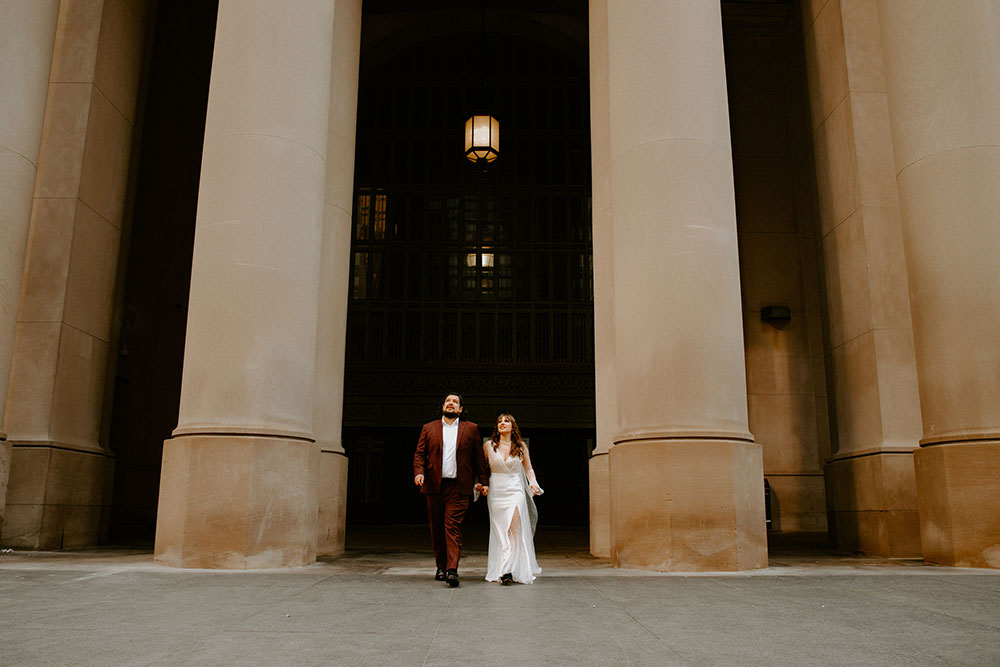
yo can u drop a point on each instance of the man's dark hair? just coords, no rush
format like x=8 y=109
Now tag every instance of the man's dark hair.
x=453 y=393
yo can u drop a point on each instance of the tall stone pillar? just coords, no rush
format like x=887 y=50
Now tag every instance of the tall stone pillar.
x=238 y=481
x=870 y=481
x=686 y=478
x=943 y=75
x=604 y=297
x=331 y=332
x=61 y=469
x=27 y=33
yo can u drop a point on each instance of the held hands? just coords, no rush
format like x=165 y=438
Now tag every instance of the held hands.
x=419 y=480
x=485 y=490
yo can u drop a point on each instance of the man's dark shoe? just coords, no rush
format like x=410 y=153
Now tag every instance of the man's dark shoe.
x=452 y=578
x=507 y=579
x=439 y=575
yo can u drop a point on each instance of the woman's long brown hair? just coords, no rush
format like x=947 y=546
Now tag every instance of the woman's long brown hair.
x=516 y=444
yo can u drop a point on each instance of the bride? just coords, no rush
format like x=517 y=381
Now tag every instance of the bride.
x=512 y=509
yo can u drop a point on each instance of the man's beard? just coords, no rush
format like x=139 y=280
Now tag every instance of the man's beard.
x=447 y=413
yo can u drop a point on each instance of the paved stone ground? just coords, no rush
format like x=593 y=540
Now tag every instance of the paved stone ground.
x=378 y=605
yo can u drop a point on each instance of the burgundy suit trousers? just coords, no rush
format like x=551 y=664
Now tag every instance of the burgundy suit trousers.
x=445 y=511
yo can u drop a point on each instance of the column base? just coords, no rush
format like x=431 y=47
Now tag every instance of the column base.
x=600 y=519
x=237 y=502
x=5 y=453
x=57 y=497
x=958 y=494
x=687 y=506
x=332 y=494
x=874 y=504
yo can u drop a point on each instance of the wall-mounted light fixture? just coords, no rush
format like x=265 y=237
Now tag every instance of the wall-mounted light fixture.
x=776 y=316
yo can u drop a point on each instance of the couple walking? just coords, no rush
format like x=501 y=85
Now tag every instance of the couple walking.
x=452 y=466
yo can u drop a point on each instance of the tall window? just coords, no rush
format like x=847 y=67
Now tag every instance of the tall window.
x=456 y=265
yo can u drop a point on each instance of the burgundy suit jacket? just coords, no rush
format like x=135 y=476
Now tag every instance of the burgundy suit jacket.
x=469 y=457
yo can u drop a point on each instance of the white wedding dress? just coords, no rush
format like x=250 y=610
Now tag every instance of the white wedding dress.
x=512 y=521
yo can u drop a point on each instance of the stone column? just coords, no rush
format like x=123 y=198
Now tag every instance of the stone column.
x=870 y=481
x=686 y=478
x=943 y=75
x=238 y=482
x=28 y=31
x=331 y=332
x=604 y=297
x=61 y=469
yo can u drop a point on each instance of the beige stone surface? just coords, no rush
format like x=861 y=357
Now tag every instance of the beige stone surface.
x=685 y=505
x=57 y=498
x=78 y=392
x=848 y=295
x=678 y=360
x=778 y=261
x=810 y=9
x=119 y=58
x=856 y=394
x=798 y=502
x=777 y=359
x=605 y=387
x=331 y=521
x=874 y=500
x=56 y=388
x=692 y=258
x=862 y=45
x=898 y=394
x=237 y=502
x=331 y=331
x=47 y=260
x=826 y=64
x=104 y=170
x=60 y=359
x=942 y=98
x=836 y=168
x=785 y=426
x=599 y=498
x=890 y=303
x=250 y=349
x=77 y=36
x=958 y=492
x=32 y=380
x=875 y=159
x=92 y=270
x=27 y=32
x=949 y=204
x=64 y=138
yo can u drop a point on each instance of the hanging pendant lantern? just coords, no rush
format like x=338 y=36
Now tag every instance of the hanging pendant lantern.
x=482 y=139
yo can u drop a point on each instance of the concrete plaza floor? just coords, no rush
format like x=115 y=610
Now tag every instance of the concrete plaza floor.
x=378 y=605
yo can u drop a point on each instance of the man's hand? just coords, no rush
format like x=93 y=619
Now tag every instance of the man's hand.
x=419 y=480
x=485 y=490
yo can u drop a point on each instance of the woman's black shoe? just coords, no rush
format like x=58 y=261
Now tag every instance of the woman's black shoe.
x=507 y=579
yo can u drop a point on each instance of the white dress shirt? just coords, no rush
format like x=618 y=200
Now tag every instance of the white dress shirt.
x=449 y=467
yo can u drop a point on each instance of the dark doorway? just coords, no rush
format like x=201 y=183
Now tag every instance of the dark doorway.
x=464 y=278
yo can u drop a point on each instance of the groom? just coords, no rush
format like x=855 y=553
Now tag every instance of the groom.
x=448 y=464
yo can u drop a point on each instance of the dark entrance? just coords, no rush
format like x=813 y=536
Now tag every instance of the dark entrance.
x=470 y=279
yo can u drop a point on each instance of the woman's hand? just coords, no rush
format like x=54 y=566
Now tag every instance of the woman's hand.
x=535 y=489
